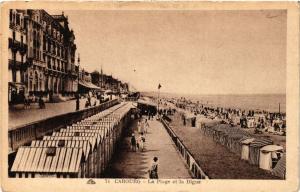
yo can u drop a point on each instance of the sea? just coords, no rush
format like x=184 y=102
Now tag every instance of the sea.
x=266 y=102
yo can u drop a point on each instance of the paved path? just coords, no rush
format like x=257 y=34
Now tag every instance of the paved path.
x=20 y=116
x=128 y=164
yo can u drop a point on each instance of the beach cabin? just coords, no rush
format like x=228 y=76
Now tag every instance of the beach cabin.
x=84 y=144
x=102 y=146
x=245 y=148
x=59 y=162
x=254 y=149
x=269 y=156
x=105 y=144
x=90 y=168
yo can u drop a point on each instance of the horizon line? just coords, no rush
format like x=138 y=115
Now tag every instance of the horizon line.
x=215 y=93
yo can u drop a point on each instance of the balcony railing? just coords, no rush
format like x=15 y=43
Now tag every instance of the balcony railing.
x=13 y=44
x=17 y=46
x=14 y=65
x=23 y=48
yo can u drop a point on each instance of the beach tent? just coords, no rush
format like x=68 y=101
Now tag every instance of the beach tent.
x=190 y=119
x=254 y=149
x=245 y=148
x=267 y=153
x=280 y=168
x=250 y=122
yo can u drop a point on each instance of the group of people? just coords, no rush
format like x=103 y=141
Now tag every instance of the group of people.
x=137 y=144
x=29 y=100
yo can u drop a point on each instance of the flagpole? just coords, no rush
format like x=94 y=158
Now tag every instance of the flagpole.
x=158 y=99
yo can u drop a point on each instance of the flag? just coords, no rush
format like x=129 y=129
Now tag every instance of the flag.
x=159 y=86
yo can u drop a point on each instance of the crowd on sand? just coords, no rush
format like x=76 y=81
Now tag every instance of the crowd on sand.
x=236 y=129
x=262 y=121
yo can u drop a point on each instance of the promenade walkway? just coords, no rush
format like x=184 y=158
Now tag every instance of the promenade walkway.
x=19 y=116
x=128 y=164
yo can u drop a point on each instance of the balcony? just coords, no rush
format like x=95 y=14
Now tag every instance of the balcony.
x=13 y=44
x=23 y=48
x=14 y=65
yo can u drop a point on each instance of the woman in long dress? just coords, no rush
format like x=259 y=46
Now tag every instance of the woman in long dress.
x=142 y=141
x=139 y=125
x=146 y=126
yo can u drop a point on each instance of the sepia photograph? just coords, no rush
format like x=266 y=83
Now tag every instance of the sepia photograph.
x=148 y=96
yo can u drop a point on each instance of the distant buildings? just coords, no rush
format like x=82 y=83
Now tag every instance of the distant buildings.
x=41 y=55
x=109 y=82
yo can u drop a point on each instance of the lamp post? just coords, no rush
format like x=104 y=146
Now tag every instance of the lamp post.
x=77 y=95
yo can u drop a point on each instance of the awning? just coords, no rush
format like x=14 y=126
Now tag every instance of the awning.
x=88 y=85
x=146 y=102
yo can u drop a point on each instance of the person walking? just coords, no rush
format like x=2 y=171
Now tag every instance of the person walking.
x=139 y=125
x=41 y=103
x=153 y=171
x=133 y=142
x=142 y=141
x=146 y=126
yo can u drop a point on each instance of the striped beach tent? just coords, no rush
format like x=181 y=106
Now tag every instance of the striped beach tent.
x=254 y=149
x=280 y=168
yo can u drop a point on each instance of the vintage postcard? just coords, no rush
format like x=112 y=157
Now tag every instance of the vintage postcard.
x=149 y=96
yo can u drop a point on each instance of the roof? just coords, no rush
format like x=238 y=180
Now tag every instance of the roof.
x=84 y=144
x=39 y=159
x=270 y=148
x=88 y=85
x=260 y=142
x=144 y=102
x=78 y=134
x=92 y=140
x=247 y=141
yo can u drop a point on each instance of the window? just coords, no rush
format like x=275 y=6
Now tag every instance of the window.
x=18 y=19
x=14 y=35
x=10 y=15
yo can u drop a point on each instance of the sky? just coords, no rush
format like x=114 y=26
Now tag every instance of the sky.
x=191 y=52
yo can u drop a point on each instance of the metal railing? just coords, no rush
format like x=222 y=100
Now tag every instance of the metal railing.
x=24 y=134
x=190 y=161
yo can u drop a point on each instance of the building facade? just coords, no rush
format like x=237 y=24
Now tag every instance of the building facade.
x=41 y=56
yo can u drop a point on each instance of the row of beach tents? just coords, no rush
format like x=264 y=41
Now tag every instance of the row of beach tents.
x=82 y=150
x=259 y=151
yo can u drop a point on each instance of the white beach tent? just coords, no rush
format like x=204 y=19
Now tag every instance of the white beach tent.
x=250 y=122
x=266 y=154
x=245 y=148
